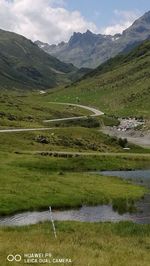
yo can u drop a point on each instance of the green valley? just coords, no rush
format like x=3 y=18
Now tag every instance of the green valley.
x=118 y=87
x=25 y=66
x=56 y=151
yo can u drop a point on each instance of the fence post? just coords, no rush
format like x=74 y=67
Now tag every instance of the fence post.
x=52 y=220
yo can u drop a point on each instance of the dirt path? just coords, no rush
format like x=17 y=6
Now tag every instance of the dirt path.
x=93 y=110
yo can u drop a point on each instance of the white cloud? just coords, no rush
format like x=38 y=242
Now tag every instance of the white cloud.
x=123 y=20
x=46 y=20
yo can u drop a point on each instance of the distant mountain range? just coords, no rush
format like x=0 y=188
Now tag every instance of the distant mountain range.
x=24 y=65
x=120 y=86
x=90 y=50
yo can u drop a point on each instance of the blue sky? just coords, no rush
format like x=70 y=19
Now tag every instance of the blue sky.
x=101 y=12
x=54 y=21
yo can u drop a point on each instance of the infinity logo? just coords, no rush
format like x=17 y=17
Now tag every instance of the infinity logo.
x=16 y=257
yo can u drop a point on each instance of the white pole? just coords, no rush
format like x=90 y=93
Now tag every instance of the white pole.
x=52 y=220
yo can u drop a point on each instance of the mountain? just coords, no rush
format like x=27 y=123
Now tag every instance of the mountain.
x=90 y=50
x=120 y=86
x=81 y=49
x=24 y=65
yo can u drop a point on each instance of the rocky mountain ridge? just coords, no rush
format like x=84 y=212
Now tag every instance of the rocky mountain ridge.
x=90 y=50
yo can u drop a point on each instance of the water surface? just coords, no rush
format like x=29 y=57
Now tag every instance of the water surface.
x=100 y=213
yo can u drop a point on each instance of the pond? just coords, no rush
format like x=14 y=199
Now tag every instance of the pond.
x=100 y=213
x=137 y=176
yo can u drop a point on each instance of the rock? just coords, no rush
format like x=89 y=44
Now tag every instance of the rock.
x=42 y=139
x=12 y=117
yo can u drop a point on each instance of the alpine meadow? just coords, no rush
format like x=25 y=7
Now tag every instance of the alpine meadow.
x=74 y=133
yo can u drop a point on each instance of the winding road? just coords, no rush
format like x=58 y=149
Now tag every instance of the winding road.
x=144 y=142
x=93 y=110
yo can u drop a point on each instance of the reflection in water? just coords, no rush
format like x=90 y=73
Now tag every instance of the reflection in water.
x=85 y=214
x=92 y=214
x=140 y=177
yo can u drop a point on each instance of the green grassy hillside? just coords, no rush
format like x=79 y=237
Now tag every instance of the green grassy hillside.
x=24 y=64
x=94 y=244
x=121 y=86
x=28 y=110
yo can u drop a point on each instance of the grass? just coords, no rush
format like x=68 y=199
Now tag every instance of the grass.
x=19 y=109
x=72 y=138
x=81 y=163
x=27 y=110
x=23 y=65
x=64 y=139
x=101 y=244
x=119 y=87
x=32 y=182
x=30 y=109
